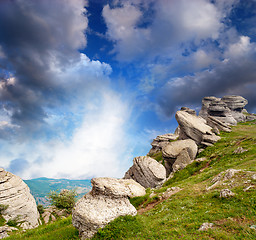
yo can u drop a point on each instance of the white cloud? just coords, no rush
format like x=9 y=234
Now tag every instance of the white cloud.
x=173 y=23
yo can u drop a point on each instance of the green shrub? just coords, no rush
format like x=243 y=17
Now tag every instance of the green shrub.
x=13 y=222
x=40 y=208
x=3 y=207
x=64 y=200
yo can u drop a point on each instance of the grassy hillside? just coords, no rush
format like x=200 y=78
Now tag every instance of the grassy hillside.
x=198 y=201
x=40 y=187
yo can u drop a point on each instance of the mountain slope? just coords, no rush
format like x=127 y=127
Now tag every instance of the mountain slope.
x=198 y=201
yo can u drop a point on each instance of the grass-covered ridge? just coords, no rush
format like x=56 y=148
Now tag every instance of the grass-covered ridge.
x=181 y=215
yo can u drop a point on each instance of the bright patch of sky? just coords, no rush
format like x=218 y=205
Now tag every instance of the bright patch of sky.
x=86 y=85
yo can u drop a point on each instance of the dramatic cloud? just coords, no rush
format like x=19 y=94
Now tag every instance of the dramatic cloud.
x=236 y=74
x=172 y=24
x=35 y=40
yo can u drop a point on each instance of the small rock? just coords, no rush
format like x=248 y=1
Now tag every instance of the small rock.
x=248 y=188
x=226 y=193
x=170 y=191
x=201 y=159
x=230 y=173
x=205 y=226
x=253 y=227
x=240 y=150
x=254 y=177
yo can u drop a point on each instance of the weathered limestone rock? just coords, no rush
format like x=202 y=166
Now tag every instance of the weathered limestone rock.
x=147 y=172
x=160 y=141
x=5 y=230
x=215 y=107
x=117 y=187
x=226 y=193
x=205 y=226
x=188 y=110
x=177 y=155
x=183 y=159
x=95 y=210
x=236 y=105
x=195 y=128
x=173 y=149
x=215 y=123
x=15 y=194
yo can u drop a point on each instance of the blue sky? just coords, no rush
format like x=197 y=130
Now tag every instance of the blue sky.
x=86 y=85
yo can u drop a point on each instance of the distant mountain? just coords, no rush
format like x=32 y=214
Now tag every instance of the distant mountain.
x=40 y=187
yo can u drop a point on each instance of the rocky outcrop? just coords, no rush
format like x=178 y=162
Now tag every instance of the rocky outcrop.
x=160 y=141
x=107 y=200
x=116 y=187
x=217 y=125
x=188 y=110
x=195 y=128
x=177 y=155
x=147 y=172
x=15 y=194
x=5 y=230
x=236 y=104
x=228 y=109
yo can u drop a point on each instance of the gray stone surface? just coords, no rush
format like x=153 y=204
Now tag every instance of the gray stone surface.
x=226 y=193
x=177 y=155
x=173 y=149
x=147 y=172
x=15 y=194
x=160 y=141
x=195 y=128
x=107 y=200
x=214 y=122
x=92 y=212
x=117 y=187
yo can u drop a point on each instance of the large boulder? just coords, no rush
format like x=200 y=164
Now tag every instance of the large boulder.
x=236 y=104
x=215 y=107
x=195 y=128
x=217 y=125
x=177 y=155
x=21 y=205
x=147 y=172
x=107 y=200
x=116 y=187
x=160 y=141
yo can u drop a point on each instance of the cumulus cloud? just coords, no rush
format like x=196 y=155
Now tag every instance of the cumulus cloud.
x=172 y=23
x=236 y=74
x=34 y=42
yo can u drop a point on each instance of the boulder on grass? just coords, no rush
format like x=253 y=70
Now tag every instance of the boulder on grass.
x=195 y=128
x=107 y=200
x=16 y=196
x=147 y=172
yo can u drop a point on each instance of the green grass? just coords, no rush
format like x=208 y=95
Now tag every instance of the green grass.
x=61 y=230
x=180 y=216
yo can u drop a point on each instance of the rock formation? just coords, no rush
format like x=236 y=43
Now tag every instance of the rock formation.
x=195 y=128
x=177 y=155
x=15 y=194
x=107 y=200
x=160 y=141
x=147 y=172
x=228 y=109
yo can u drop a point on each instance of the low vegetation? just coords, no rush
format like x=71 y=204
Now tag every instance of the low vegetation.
x=63 y=200
x=181 y=215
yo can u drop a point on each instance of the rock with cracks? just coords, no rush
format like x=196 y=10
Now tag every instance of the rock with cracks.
x=147 y=172
x=160 y=141
x=177 y=155
x=195 y=128
x=107 y=200
x=21 y=205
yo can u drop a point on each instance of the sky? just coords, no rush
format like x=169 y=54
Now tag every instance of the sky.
x=85 y=85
